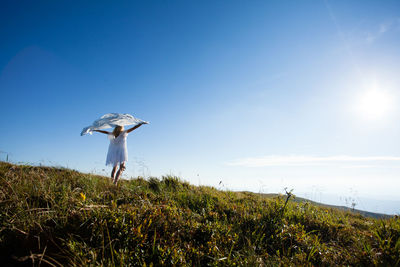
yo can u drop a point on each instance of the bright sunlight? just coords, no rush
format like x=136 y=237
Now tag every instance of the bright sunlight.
x=375 y=103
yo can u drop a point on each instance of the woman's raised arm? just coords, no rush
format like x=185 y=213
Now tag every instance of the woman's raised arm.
x=100 y=131
x=135 y=127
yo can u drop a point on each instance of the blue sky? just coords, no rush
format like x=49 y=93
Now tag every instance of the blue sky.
x=260 y=95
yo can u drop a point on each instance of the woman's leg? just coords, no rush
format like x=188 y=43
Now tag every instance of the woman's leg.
x=121 y=169
x=113 y=171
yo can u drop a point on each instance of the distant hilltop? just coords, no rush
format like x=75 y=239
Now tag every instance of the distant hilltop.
x=344 y=208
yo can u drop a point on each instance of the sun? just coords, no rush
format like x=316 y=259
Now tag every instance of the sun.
x=375 y=103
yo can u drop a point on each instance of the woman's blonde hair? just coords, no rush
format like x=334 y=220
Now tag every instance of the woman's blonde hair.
x=117 y=130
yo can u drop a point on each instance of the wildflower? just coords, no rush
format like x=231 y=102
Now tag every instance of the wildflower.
x=83 y=196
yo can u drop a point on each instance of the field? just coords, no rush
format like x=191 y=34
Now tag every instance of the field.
x=60 y=217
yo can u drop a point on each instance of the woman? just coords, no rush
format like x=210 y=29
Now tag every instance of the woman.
x=117 y=150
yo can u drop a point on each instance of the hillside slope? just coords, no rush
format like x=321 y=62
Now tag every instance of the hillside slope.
x=59 y=217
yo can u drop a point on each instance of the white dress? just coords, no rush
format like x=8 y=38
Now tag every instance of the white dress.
x=117 y=150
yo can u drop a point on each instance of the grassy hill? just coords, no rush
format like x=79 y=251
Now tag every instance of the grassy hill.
x=59 y=217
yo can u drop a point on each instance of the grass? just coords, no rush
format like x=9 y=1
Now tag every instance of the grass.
x=60 y=217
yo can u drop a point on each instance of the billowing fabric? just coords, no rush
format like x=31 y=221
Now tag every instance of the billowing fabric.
x=111 y=120
x=117 y=150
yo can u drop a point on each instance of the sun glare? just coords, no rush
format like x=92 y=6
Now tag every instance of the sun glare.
x=374 y=104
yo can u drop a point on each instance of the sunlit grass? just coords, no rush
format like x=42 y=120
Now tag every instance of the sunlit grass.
x=62 y=217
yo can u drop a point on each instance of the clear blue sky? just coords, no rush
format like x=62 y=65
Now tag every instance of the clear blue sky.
x=259 y=95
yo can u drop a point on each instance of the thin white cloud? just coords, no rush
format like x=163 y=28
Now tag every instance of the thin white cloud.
x=382 y=29
x=297 y=160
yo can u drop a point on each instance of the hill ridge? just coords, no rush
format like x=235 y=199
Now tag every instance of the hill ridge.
x=341 y=207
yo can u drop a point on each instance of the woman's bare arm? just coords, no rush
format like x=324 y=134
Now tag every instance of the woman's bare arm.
x=135 y=127
x=100 y=131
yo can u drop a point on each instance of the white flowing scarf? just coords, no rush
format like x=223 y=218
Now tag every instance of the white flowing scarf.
x=111 y=120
